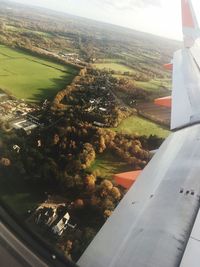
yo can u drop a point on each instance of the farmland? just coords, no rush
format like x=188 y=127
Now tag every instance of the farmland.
x=113 y=66
x=157 y=84
x=31 y=78
x=134 y=124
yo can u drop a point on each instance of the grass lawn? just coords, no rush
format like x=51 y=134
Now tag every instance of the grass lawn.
x=113 y=66
x=19 y=196
x=134 y=124
x=20 y=203
x=31 y=78
x=106 y=165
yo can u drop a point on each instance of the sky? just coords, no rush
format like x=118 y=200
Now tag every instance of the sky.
x=160 y=17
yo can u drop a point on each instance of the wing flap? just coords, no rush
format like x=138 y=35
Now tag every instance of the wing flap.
x=192 y=251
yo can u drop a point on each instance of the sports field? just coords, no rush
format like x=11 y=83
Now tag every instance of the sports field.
x=31 y=78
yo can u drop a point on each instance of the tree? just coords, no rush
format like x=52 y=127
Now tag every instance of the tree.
x=5 y=162
x=78 y=203
x=107 y=214
x=88 y=234
x=95 y=201
x=56 y=139
x=68 y=249
x=2 y=26
x=115 y=193
x=102 y=145
x=87 y=156
x=90 y=181
x=106 y=185
x=107 y=204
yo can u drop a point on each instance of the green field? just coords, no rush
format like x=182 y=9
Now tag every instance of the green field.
x=19 y=196
x=31 y=78
x=134 y=124
x=106 y=165
x=113 y=66
x=154 y=85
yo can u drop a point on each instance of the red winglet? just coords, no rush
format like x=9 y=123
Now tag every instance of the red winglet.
x=164 y=101
x=168 y=66
x=187 y=16
x=126 y=179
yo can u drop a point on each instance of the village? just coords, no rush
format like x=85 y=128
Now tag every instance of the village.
x=14 y=113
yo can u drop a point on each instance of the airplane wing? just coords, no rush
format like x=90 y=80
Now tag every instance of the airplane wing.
x=157 y=223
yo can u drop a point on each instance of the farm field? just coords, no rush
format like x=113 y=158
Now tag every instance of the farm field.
x=134 y=124
x=31 y=78
x=154 y=85
x=113 y=66
x=161 y=115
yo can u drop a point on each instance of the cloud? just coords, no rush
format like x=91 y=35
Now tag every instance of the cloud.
x=129 y=4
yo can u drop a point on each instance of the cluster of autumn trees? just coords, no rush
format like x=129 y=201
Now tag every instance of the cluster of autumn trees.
x=64 y=154
x=60 y=157
x=90 y=98
x=68 y=151
x=66 y=92
x=57 y=160
x=58 y=164
x=130 y=91
x=91 y=210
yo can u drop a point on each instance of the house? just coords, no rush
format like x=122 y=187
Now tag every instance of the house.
x=16 y=148
x=99 y=124
x=24 y=124
x=61 y=225
x=102 y=109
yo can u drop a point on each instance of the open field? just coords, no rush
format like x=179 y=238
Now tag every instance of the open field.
x=19 y=196
x=113 y=66
x=160 y=87
x=161 y=115
x=106 y=165
x=134 y=124
x=29 y=77
x=154 y=85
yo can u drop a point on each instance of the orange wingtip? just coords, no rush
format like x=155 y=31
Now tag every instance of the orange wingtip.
x=168 y=66
x=188 y=20
x=164 y=101
x=127 y=179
